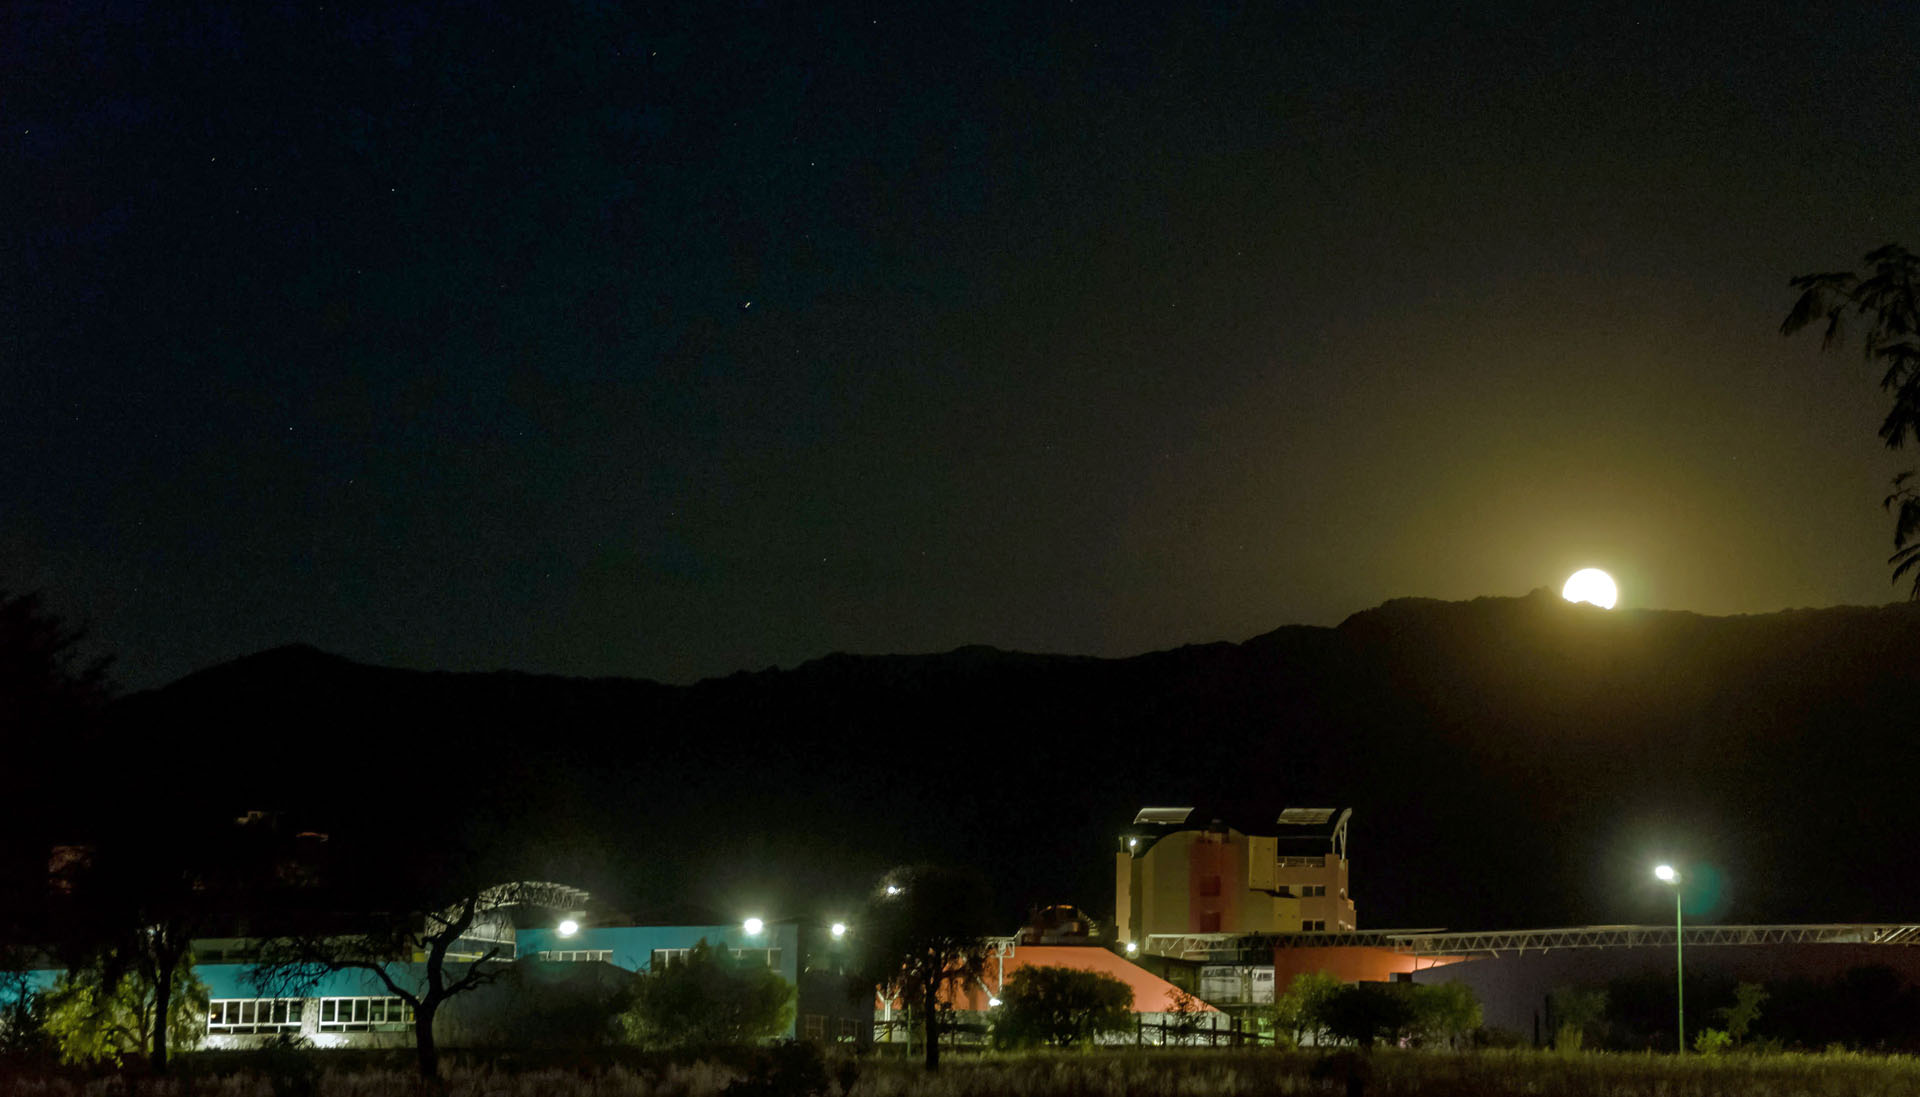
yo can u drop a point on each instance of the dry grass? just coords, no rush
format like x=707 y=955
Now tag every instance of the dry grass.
x=1114 y=1074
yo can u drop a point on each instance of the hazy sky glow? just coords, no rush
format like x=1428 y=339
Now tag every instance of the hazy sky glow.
x=614 y=343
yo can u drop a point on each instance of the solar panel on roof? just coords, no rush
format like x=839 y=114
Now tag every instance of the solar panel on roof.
x=1163 y=815
x=1305 y=817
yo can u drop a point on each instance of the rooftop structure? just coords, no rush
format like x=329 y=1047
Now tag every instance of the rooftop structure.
x=1174 y=875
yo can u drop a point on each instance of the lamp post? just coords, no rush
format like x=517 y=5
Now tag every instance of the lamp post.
x=1667 y=875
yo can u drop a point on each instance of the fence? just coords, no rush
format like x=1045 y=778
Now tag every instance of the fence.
x=970 y=1035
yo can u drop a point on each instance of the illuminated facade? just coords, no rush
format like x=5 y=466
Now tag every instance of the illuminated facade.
x=1176 y=877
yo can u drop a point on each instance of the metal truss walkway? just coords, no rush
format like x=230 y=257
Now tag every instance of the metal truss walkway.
x=1258 y=948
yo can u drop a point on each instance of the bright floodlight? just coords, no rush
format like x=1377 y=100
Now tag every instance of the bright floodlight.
x=893 y=889
x=1591 y=585
x=993 y=1003
x=568 y=927
x=753 y=926
x=1666 y=874
x=1133 y=947
x=839 y=930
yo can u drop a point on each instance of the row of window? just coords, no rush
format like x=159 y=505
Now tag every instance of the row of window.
x=251 y=1016
x=1313 y=925
x=365 y=1015
x=245 y=1016
x=578 y=955
x=664 y=958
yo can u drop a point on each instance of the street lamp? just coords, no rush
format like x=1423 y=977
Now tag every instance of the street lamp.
x=753 y=926
x=568 y=927
x=1667 y=875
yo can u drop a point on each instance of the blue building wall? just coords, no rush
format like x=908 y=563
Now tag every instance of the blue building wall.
x=633 y=946
x=230 y=981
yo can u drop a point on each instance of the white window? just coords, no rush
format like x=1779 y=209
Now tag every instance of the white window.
x=245 y=1016
x=577 y=956
x=664 y=958
x=365 y=1015
x=758 y=956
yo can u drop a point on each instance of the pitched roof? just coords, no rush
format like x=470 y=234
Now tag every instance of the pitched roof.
x=1151 y=994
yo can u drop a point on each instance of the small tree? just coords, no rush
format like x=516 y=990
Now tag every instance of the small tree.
x=1300 y=1011
x=1745 y=1010
x=1365 y=1012
x=1578 y=1014
x=1060 y=1006
x=925 y=931
x=710 y=999
x=136 y=904
x=94 y=1015
x=1445 y=1013
x=1185 y=1017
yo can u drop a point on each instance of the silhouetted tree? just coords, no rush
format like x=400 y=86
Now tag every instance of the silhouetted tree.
x=1365 y=1012
x=52 y=696
x=1060 y=1006
x=1886 y=298
x=388 y=945
x=46 y=684
x=925 y=930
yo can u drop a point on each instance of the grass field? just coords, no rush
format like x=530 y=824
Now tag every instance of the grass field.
x=1099 y=1074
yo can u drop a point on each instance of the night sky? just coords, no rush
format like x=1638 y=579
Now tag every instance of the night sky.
x=670 y=340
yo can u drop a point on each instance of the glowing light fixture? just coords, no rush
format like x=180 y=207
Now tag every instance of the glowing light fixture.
x=753 y=926
x=1666 y=875
x=568 y=927
x=1132 y=947
x=839 y=930
x=893 y=889
x=1593 y=586
x=993 y=1003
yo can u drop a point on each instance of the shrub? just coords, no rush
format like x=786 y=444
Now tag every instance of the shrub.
x=1365 y=1012
x=1060 y=1006
x=710 y=999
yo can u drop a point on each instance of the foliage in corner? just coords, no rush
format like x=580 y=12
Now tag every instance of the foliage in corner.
x=1886 y=298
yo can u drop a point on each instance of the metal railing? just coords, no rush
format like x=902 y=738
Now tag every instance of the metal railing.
x=1260 y=947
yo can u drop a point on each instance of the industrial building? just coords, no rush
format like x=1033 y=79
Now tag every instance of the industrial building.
x=1176 y=877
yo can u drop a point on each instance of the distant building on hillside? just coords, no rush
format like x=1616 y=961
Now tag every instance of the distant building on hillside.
x=1176 y=876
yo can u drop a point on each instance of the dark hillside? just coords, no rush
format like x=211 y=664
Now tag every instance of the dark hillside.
x=1511 y=761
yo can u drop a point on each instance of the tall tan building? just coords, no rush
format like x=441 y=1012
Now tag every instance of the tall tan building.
x=1175 y=874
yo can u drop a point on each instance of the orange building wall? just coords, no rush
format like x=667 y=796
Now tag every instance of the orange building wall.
x=1349 y=964
x=1212 y=866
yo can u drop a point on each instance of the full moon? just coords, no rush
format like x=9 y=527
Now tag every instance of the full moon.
x=1591 y=585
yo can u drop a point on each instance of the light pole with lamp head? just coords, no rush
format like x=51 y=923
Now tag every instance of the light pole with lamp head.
x=1667 y=875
